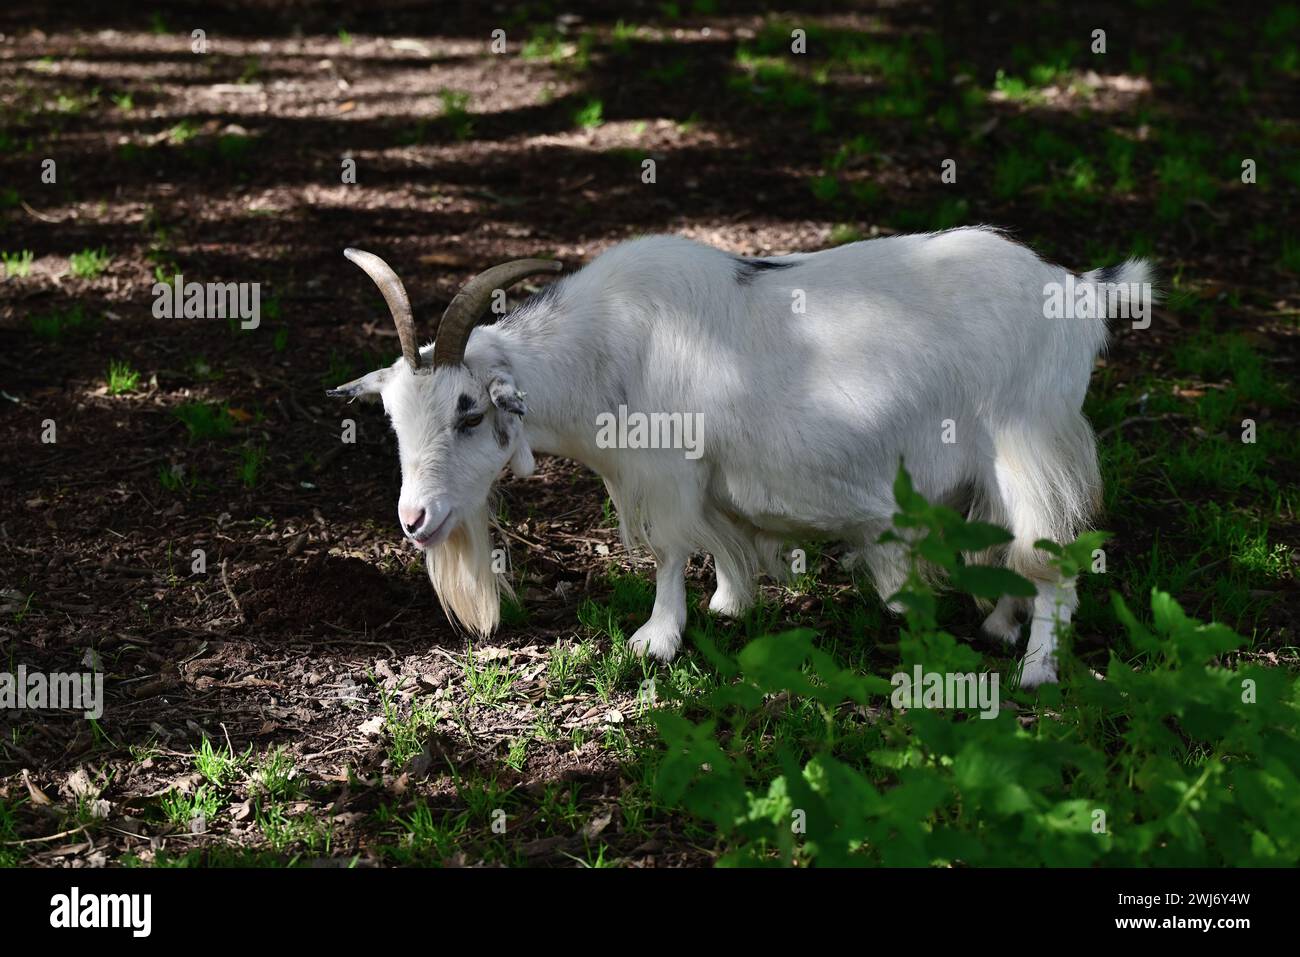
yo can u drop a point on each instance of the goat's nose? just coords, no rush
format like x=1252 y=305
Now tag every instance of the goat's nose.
x=412 y=518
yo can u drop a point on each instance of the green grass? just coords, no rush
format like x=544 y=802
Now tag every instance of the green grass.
x=406 y=729
x=205 y=420
x=590 y=116
x=455 y=113
x=89 y=263
x=18 y=265
x=421 y=836
x=9 y=854
x=183 y=810
x=489 y=683
x=175 y=478
x=251 y=460
x=121 y=378
x=220 y=767
x=58 y=324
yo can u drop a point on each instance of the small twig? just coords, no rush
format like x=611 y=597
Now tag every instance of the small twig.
x=38 y=840
x=225 y=581
x=41 y=216
x=1140 y=418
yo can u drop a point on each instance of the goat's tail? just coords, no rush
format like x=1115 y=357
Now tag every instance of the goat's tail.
x=1123 y=289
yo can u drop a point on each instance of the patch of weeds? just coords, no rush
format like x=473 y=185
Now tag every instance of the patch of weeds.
x=206 y=420
x=89 y=263
x=406 y=735
x=9 y=855
x=123 y=101
x=18 y=265
x=276 y=776
x=621 y=37
x=423 y=836
x=203 y=370
x=57 y=324
x=1014 y=172
x=618 y=669
x=1182 y=180
x=220 y=767
x=234 y=148
x=251 y=460
x=1289 y=257
x=182 y=132
x=517 y=754
x=546 y=44
x=844 y=233
x=825 y=188
x=183 y=809
x=121 y=378
x=631 y=598
x=489 y=682
x=566 y=665
x=455 y=113
x=1016 y=89
x=175 y=478
x=283 y=831
x=590 y=116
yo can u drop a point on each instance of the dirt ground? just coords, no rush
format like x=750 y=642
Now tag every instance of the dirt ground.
x=313 y=629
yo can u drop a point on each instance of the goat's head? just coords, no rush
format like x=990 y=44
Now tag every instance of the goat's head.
x=456 y=413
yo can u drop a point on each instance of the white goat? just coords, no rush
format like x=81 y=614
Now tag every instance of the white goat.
x=813 y=374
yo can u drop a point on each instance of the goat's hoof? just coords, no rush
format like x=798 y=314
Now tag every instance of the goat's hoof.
x=656 y=640
x=729 y=605
x=1037 y=673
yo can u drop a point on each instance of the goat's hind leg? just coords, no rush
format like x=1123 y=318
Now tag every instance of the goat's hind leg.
x=1047 y=484
x=735 y=592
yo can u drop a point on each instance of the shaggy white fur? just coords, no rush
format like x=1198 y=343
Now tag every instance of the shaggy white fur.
x=814 y=374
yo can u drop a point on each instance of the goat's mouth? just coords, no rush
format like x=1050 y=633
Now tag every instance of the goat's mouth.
x=438 y=535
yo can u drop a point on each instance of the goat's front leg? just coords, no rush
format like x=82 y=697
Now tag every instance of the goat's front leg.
x=662 y=634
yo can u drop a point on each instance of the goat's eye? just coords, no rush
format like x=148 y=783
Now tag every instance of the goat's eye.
x=468 y=423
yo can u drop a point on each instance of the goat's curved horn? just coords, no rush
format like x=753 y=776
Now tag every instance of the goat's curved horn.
x=472 y=301
x=395 y=295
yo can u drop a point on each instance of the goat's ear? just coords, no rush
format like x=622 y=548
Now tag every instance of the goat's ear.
x=367 y=387
x=521 y=460
x=505 y=396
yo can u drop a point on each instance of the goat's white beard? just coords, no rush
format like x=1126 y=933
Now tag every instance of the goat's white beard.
x=461 y=572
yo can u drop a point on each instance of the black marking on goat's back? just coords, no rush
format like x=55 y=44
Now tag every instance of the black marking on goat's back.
x=1004 y=233
x=464 y=404
x=748 y=269
x=1108 y=274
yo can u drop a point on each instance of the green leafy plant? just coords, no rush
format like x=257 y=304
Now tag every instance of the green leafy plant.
x=121 y=378
x=1179 y=754
x=590 y=116
x=57 y=324
x=18 y=264
x=206 y=420
x=89 y=263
